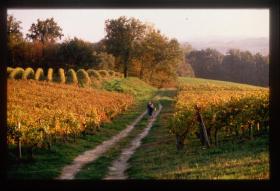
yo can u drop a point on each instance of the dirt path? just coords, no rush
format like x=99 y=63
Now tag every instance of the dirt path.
x=120 y=165
x=69 y=171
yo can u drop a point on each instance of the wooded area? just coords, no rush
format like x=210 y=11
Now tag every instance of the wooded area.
x=236 y=66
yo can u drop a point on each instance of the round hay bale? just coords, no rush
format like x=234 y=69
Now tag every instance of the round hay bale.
x=61 y=75
x=28 y=73
x=50 y=75
x=94 y=73
x=39 y=74
x=103 y=73
x=83 y=77
x=9 y=70
x=72 y=77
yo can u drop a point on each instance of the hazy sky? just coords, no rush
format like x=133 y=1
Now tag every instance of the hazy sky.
x=183 y=24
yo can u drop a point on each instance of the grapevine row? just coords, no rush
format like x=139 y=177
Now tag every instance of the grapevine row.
x=39 y=118
x=238 y=114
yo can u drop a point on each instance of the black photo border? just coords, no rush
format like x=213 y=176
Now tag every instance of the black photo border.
x=176 y=185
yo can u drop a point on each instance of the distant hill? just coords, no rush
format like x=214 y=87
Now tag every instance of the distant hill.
x=223 y=44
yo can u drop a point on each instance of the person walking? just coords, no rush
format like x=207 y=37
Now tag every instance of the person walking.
x=150 y=108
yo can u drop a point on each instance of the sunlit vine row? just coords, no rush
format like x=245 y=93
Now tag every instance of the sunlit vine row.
x=41 y=113
x=227 y=111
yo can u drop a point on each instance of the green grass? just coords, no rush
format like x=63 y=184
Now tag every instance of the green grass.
x=226 y=84
x=99 y=168
x=49 y=163
x=158 y=158
x=131 y=85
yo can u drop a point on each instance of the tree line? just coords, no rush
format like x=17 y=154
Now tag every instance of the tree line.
x=129 y=46
x=133 y=48
x=235 y=66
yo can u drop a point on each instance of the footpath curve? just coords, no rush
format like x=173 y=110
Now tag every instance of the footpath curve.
x=69 y=171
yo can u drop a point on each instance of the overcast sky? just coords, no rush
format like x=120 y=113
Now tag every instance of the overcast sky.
x=183 y=24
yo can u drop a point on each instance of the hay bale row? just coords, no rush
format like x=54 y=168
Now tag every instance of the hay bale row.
x=17 y=73
x=82 y=76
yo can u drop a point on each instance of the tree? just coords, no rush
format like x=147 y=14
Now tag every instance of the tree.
x=13 y=29
x=15 y=39
x=77 y=53
x=122 y=34
x=184 y=68
x=262 y=69
x=104 y=61
x=236 y=66
x=157 y=58
x=154 y=47
x=45 y=31
x=206 y=63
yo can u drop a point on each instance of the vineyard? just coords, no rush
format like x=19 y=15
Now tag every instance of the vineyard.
x=215 y=111
x=43 y=113
x=63 y=112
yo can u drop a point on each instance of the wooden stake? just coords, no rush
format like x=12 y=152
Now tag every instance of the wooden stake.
x=206 y=139
x=19 y=143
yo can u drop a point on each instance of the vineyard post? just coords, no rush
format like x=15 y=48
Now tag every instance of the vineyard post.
x=202 y=125
x=19 y=143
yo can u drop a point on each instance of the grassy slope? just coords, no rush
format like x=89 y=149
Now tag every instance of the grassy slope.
x=225 y=84
x=157 y=158
x=131 y=85
x=48 y=164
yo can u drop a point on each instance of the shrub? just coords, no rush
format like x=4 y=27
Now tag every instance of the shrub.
x=50 y=75
x=16 y=73
x=61 y=74
x=28 y=74
x=83 y=77
x=94 y=73
x=39 y=74
x=103 y=73
x=72 y=77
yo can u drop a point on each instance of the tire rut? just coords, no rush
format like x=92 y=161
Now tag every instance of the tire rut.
x=69 y=171
x=120 y=165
